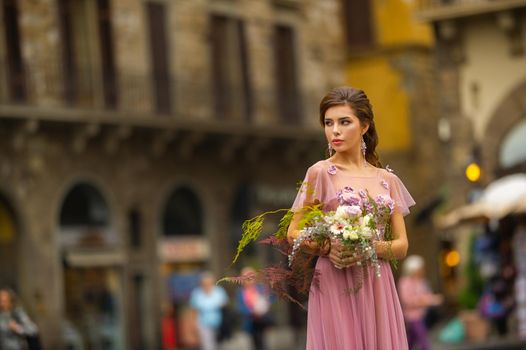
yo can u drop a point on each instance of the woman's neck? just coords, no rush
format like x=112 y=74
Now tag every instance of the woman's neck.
x=351 y=161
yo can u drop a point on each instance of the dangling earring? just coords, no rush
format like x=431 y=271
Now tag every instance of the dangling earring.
x=330 y=149
x=363 y=148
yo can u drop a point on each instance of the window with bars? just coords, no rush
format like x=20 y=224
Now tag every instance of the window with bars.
x=88 y=63
x=287 y=92
x=230 y=69
x=107 y=54
x=16 y=79
x=159 y=57
x=358 y=24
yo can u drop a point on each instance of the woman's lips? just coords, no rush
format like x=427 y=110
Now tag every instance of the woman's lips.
x=337 y=142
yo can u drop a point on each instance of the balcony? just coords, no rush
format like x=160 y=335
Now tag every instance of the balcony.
x=438 y=10
x=184 y=113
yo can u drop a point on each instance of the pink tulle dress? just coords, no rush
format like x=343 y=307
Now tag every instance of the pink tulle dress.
x=352 y=308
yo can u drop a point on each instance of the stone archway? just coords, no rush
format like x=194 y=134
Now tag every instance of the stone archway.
x=92 y=270
x=510 y=112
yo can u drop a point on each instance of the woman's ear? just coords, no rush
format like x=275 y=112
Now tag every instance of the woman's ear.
x=365 y=128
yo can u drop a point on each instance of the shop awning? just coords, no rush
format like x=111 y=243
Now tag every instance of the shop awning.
x=502 y=197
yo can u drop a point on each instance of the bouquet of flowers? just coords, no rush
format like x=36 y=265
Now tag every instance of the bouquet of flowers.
x=356 y=223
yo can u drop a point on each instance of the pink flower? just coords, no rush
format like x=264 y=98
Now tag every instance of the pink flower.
x=383 y=200
x=353 y=210
x=332 y=170
x=385 y=184
x=348 y=198
x=337 y=229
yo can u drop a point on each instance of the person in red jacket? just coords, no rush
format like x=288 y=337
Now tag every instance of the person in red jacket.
x=168 y=328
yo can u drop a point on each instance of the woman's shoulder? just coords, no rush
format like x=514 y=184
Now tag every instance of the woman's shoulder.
x=319 y=167
x=320 y=164
x=387 y=174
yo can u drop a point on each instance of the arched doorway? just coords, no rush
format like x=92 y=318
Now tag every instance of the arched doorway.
x=9 y=245
x=92 y=260
x=501 y=143
x=183 y=253
x=512 y=154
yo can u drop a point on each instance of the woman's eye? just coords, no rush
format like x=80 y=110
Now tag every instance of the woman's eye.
x=328 y=123
x=346 y=122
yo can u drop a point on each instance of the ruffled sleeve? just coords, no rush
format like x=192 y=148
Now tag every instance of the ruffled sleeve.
x=311 y=189
x=400 y=195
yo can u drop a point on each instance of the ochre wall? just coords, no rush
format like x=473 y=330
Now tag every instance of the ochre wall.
x=382 y=84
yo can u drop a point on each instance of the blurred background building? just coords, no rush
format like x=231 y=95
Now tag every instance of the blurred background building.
x=480 y=56
x=481 y=93
x=136 y=137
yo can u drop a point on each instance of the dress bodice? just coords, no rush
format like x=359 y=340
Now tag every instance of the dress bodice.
x=324 y=180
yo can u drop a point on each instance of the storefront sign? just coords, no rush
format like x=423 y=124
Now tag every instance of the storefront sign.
x=88 y=237
x=187 y=249
x=91 y=258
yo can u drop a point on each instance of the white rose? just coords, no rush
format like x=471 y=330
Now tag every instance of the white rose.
x=366 y=220
x=341 y=213
x=350 y=235
x=367 y=232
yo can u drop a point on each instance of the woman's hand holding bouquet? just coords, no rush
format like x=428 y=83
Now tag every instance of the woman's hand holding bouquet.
x=352 y=228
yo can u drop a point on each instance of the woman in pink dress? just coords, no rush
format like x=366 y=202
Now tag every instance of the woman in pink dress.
x=350 y=307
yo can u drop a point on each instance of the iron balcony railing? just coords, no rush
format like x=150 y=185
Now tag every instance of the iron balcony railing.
x=148 y=94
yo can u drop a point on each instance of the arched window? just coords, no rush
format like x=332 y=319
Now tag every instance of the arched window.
x=84 y=206
x=183 y=214
x=513 y=148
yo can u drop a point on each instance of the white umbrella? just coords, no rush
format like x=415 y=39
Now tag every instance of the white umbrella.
x=502 y=197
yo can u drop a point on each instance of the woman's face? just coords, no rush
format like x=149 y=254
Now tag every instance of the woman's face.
x=343 y=129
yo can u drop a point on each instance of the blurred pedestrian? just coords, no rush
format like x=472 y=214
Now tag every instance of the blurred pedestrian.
x=416 y=297
x=207 y=300
x=253 y=302
x=168 y=327
x=519 y=250
x=187 y=330
x=15 y=325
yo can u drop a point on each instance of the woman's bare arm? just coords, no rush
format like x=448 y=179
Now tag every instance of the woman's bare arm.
x=397 y=247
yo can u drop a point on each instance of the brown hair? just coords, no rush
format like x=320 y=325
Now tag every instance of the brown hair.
x=359 y=103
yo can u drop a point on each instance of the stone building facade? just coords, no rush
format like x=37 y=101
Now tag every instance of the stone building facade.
x=481 y=64
x=135 y=137
x=481 y=92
